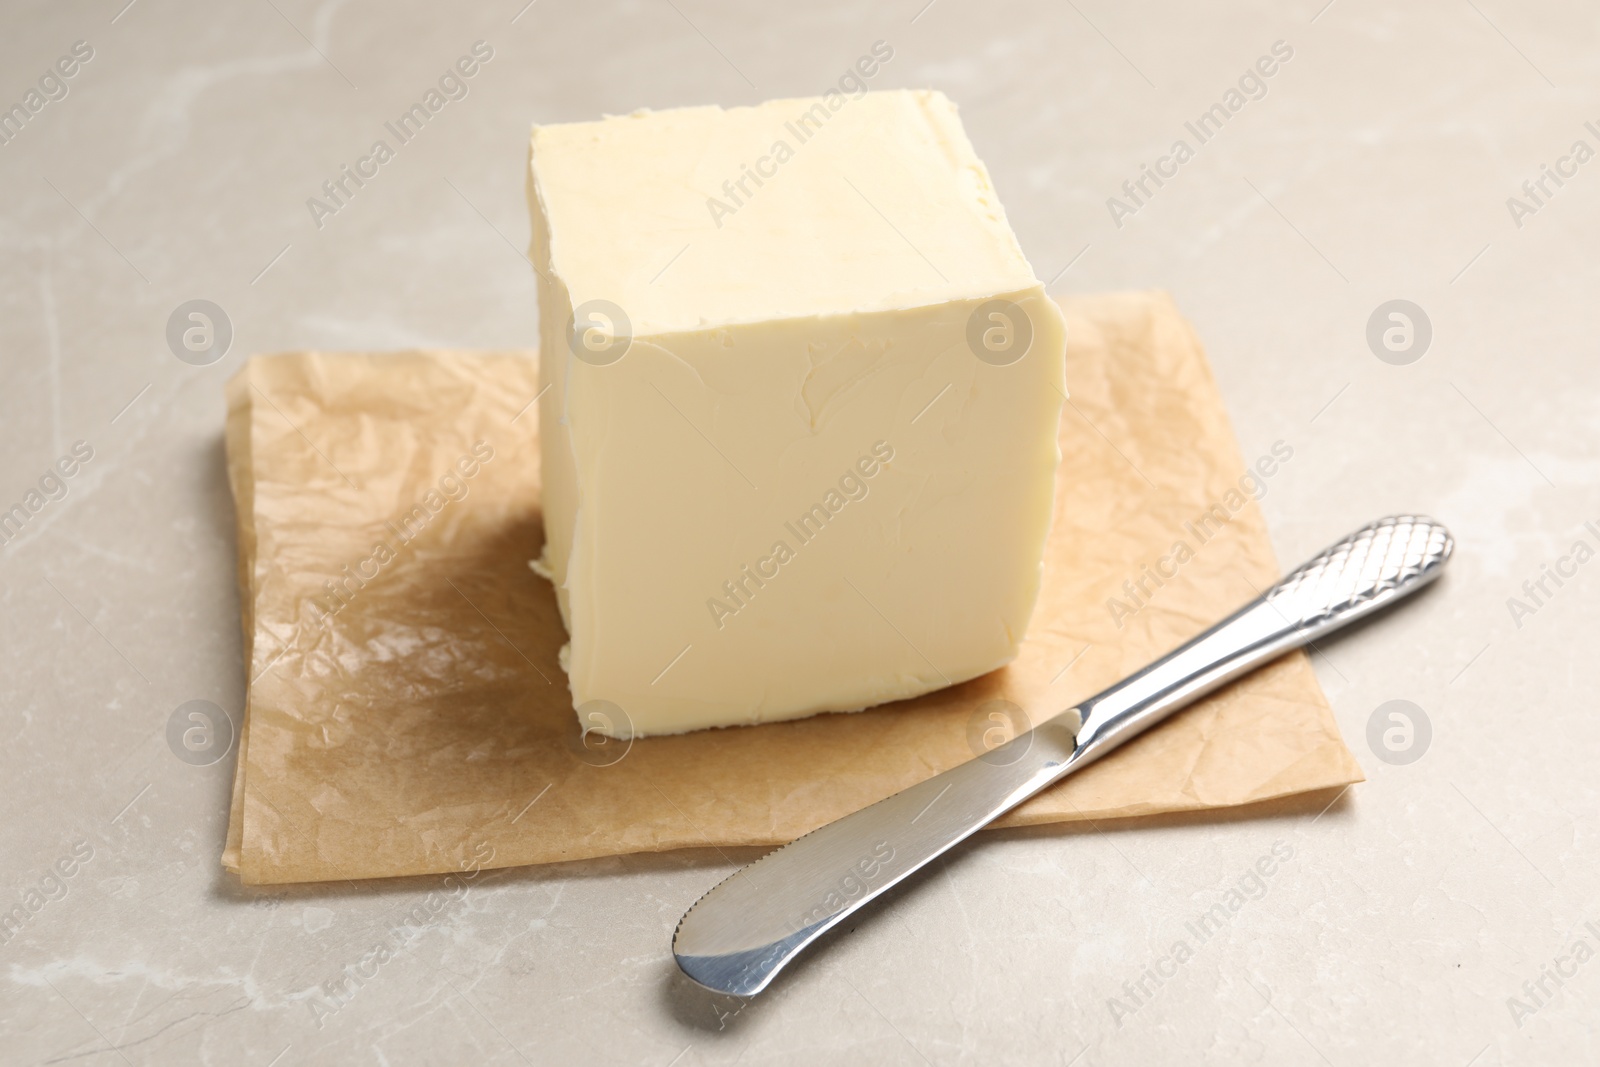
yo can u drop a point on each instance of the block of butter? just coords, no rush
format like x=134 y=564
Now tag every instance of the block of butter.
x=801 y=391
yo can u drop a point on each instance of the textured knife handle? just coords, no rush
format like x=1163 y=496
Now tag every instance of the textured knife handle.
x=1367 y=569
x=1371 y=568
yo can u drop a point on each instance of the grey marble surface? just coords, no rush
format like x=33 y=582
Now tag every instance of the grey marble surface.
x=1419 y=919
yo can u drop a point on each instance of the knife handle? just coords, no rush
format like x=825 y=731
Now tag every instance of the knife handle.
x=1370 y=569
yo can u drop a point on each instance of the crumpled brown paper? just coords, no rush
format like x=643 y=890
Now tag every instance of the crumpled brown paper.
x=417 y=722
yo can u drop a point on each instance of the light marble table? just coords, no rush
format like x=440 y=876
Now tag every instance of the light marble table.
x=1377 y=166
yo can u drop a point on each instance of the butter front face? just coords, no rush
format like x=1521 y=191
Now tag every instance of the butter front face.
x=799 y=452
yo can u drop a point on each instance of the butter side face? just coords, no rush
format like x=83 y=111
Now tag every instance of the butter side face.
x=799 y=488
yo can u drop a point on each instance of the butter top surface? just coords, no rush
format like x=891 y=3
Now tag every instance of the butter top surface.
x=700 y=217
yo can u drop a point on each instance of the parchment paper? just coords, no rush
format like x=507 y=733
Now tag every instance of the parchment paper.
x=424 y=726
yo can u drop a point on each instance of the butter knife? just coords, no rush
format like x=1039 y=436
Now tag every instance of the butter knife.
x=737 y=937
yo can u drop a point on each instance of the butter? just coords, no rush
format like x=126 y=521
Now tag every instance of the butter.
x=800 y=409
